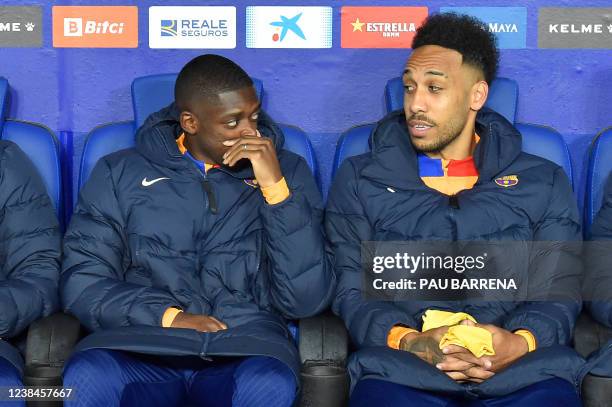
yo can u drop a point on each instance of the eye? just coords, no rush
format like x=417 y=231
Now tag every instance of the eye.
x=232 y=123
x=408 y=88
x=434 y=88
x=255 y=116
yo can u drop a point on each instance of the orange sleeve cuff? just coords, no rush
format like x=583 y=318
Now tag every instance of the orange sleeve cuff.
x=396 y=334
x=531 y=342
x=276 y=193
x=169 y=316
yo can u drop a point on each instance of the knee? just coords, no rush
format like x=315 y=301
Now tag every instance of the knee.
x=9 y=375
x=90 y=365
x=91 y=375
x=266 y=381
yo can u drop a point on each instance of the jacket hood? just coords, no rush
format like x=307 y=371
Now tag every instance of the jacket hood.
x=395 y=159
x=156 y=139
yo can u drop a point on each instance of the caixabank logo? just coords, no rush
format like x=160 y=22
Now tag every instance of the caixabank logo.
x=95 y=26
x=575 y=27
x=509 y=24
x=192 y=27
x=288 y=27
x=380 y=27
x=20 y=26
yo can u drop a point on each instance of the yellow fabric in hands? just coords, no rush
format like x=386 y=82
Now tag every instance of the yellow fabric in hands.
x=531 y=342
x=169 y=316
x=477 y=340
x=276 y=193
x=433 y=319
x=396 y=334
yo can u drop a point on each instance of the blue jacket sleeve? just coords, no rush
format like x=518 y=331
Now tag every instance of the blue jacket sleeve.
x=301 y=277
x=30 y=244
x=557 y=237
x=347 y=225
x=92 y=284
x=598 y=273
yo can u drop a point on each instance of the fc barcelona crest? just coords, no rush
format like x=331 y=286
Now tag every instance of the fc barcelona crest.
x=507 y=181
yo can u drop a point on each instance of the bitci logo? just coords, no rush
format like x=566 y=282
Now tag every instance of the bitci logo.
x=73 y=27
x=95 y=26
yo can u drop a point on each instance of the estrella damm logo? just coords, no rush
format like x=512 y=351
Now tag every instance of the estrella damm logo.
x=507 y=181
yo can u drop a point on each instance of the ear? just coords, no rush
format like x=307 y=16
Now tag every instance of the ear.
x=478 y=95
x=189 y=122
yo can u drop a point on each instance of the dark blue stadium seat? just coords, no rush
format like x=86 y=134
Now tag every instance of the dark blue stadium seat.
x=548 y=143
x=538 y=140
x=150 y=94
x=598 y=169
x=503 y=96
x=101 y=141
x=37 y=142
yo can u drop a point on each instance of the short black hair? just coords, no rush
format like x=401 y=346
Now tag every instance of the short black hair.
x=464 y=34
x=206 y=76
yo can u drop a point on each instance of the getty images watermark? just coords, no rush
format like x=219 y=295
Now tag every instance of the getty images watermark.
x=450 y=271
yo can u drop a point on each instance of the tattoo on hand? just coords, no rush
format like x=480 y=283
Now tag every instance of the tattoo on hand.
x=425 y=348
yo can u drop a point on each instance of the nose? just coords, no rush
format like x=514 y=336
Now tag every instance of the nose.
x=248 y=129
x=415 y=102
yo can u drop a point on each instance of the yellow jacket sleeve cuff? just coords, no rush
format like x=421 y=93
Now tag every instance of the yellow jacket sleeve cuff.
x=396 y=334
x=169 y=316
x=531 y=342
x=276 y=193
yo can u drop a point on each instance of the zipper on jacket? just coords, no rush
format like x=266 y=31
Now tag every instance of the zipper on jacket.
x=453 y=204
x=210 y=195
x=208 y=189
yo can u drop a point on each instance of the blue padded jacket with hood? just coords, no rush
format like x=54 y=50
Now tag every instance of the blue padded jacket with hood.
x=133 y=249
x=379 y=196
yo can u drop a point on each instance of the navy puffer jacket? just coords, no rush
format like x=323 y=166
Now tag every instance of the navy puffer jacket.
x=598 y=280
x=379 y=196
x=30 y=248
x=133 y=249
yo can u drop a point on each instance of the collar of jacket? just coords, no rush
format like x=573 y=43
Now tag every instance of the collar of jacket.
x=394 y=159
x=156 y=140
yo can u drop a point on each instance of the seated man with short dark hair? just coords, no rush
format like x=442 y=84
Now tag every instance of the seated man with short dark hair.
x=30 y=250
x=597 y=285
x=208 y=225
x=448 y=170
